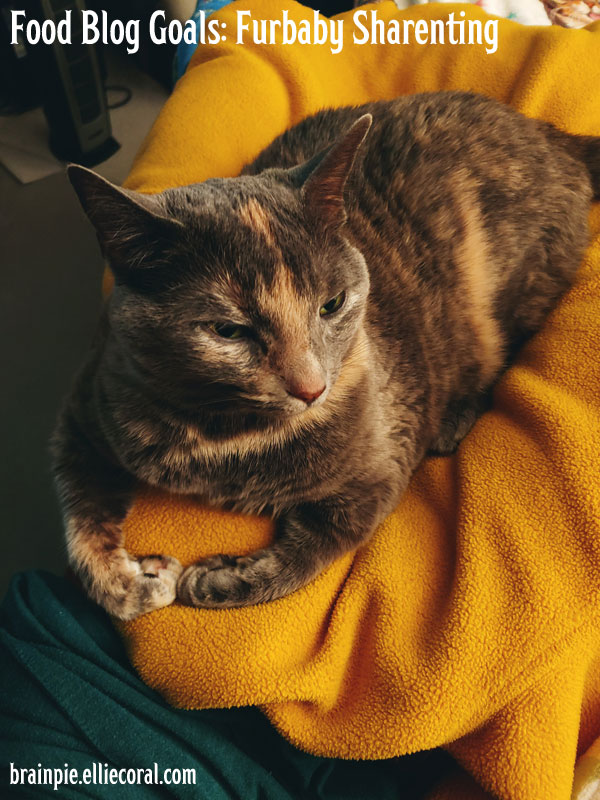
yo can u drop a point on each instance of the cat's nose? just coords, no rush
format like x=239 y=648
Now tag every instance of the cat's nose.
x=305 y=391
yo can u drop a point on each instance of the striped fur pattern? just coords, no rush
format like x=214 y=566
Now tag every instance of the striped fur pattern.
x=294 y=340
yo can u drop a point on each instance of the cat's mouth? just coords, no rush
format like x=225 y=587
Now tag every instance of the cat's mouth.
x=276 y=405
x=295 y=406
x=288 y=407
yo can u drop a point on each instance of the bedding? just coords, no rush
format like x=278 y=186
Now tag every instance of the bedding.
x=470 y=621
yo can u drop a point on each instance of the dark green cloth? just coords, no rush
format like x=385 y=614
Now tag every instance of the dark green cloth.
x=70 y=696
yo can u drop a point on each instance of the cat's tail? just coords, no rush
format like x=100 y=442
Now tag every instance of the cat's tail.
x=584 y=148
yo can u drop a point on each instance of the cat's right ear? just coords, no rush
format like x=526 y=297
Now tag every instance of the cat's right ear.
x=324 y=188
x=133 y=229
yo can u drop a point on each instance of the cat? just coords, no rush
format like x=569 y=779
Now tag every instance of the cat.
x=293 y=341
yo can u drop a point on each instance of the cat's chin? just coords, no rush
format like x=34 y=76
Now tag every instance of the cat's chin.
x=283 y=414
x=299 y=408
x=287 y=412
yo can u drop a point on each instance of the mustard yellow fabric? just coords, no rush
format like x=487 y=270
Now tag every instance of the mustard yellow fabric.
x=471 y=620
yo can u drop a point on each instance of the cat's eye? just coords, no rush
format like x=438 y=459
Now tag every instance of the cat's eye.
x=228 y=330
x=333 y=305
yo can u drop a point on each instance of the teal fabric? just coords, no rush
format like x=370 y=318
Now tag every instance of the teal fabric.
x=184 y=50
x=70 y=696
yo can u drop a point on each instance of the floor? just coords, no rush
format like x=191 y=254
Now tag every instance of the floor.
x=51 y=273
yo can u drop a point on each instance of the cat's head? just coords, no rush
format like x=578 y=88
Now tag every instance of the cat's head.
x=239 y=294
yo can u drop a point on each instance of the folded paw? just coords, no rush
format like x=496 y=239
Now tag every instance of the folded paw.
x=229 y=581
x=136 y=586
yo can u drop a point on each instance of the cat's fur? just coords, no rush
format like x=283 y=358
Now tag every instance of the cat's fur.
x=459 y=226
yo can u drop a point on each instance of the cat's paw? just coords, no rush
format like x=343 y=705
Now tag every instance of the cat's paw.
x=227 y=581
x=144 y=585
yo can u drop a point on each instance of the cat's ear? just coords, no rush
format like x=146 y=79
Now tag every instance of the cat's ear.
x=133 y=229
x=323 y=190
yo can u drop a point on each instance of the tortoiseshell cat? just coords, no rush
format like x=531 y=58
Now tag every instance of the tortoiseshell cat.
x=294 y=340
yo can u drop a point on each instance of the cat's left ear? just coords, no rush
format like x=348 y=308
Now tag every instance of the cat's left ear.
x=134 y=230
x=323 y=191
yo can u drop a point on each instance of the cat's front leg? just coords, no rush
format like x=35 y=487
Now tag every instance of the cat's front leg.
x=96 y=493
x=310 y=537
x=124 y=586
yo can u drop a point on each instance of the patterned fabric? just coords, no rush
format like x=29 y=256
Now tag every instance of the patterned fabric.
x=572 y=13
x=528 y=12
x=568 y=13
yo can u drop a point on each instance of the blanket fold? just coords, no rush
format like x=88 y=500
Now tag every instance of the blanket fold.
x=471 y=618
x=73 y=698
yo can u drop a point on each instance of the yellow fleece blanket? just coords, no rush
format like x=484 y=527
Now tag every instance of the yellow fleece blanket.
x=472 y=618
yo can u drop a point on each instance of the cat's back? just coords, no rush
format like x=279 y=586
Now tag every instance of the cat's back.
x=454 y=200
x=443 y=129
x=423 y=149
x=433 y=163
